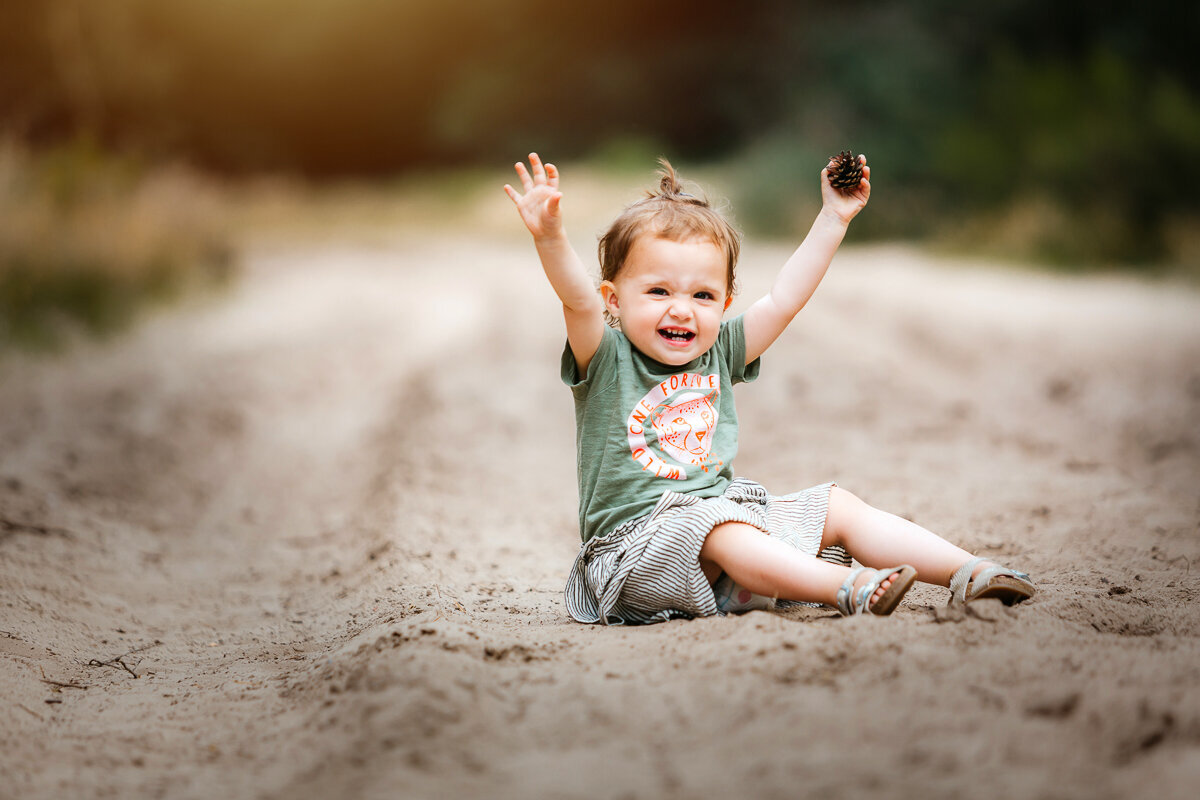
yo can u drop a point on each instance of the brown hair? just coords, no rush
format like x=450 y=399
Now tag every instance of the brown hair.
x=669 y=213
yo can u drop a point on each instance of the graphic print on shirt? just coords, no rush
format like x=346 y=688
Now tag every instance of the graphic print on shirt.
x=682 y=413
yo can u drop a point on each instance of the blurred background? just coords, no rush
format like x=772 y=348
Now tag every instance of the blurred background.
x=139 y=138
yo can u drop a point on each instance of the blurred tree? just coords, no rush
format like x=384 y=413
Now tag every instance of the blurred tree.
x=960 y=107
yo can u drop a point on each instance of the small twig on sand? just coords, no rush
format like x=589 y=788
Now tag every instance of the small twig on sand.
x=116 y=662
x=119 y=660
x=60 y=683
x=31 y=711
x=12 y=526
x=457 y=603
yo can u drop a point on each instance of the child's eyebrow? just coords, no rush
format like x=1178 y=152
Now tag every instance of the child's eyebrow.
x=659 y=280
x=654 y=280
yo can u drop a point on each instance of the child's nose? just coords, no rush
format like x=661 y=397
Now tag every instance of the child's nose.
x=681 y=308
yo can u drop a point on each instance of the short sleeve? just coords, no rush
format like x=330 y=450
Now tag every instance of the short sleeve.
x=601 y=367
x=732 y=344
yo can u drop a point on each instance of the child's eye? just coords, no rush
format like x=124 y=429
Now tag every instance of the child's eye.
x=705 y=296
x=658 y=290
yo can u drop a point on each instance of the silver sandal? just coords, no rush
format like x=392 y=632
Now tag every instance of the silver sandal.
x=1004 y=584
x=852 y=601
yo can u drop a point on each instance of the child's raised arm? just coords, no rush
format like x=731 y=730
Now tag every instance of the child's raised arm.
x=540 y=209
x=767 y=318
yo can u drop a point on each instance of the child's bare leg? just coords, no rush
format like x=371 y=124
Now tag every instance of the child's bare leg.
x=879 y=539
x=772 y=568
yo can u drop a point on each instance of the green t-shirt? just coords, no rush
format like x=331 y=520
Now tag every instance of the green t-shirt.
x=643 y=427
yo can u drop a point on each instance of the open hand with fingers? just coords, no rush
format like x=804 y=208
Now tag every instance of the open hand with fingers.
x=539 y=205
x=539 y=208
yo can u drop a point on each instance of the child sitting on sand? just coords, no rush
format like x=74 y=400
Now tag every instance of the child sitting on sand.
x=667 y=529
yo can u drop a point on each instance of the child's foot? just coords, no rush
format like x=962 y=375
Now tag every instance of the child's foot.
x=981 y=577
x=864 y=579
x=878 y=591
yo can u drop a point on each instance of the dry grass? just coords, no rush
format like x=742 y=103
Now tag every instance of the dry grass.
x=1039 y=231
x=87 y=241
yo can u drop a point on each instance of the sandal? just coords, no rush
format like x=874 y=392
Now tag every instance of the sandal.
x=1004 y=584
x=852 y=601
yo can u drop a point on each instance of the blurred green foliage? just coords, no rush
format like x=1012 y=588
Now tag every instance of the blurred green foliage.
x=1066 y=131
x=38 y=308
x=88 y=240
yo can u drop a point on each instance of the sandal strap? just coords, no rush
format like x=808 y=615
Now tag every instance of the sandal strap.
x=962 y=579
x=843 y=599
x=863 y=595
x=851 y=601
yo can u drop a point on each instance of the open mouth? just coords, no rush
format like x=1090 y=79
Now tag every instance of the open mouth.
x=676 y=336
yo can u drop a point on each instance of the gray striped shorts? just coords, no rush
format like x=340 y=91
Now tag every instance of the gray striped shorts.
x=648 y=569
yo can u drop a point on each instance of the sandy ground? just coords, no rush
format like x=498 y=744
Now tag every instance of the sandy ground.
x=308 y=539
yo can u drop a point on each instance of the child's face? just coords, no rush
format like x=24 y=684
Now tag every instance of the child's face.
x=670 y=297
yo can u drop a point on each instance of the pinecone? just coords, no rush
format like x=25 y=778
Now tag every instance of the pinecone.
x=846 y=171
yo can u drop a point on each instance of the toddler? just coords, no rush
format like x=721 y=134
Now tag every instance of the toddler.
x=667 y=529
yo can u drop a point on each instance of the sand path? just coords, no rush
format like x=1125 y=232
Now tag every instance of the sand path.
x=325 y=519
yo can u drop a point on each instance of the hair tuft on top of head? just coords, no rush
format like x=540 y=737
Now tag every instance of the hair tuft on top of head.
x=671 y=188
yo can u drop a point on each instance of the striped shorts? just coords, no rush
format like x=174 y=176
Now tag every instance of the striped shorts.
x=648 y=569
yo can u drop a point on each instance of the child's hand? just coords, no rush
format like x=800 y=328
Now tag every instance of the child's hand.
x=845 y=204
x=539 y=206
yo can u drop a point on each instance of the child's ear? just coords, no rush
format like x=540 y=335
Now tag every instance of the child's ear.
x=609 y=292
